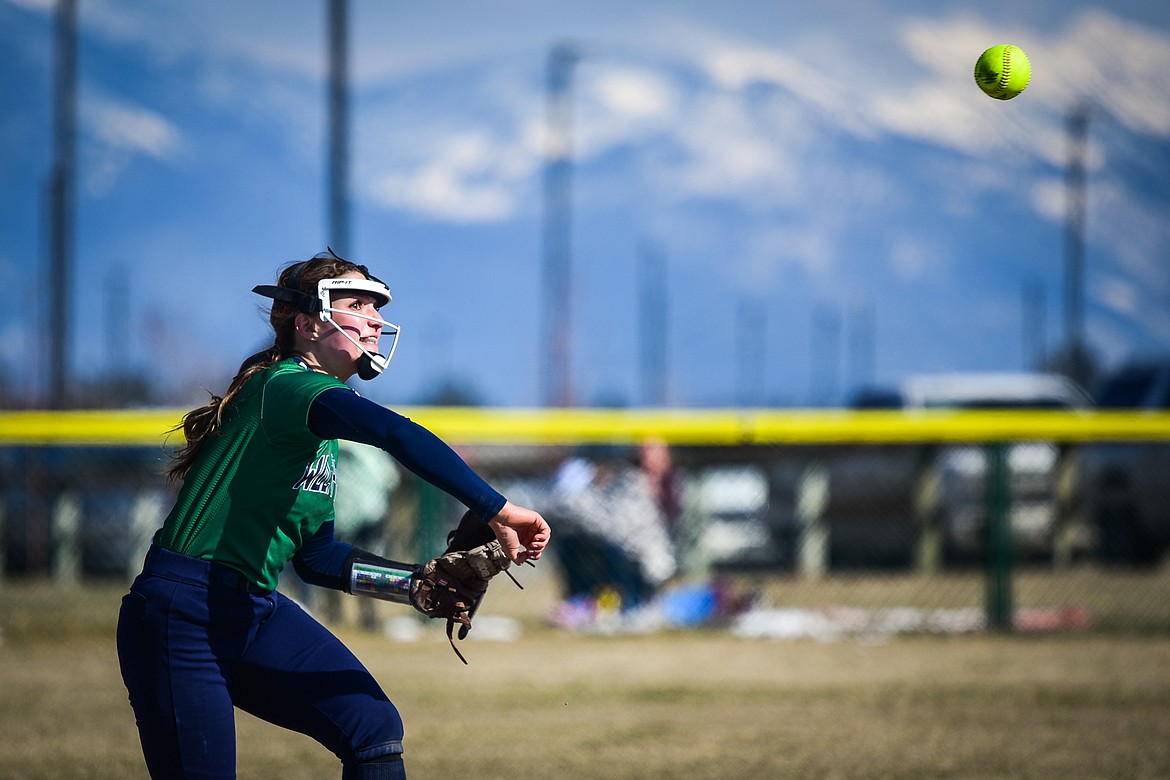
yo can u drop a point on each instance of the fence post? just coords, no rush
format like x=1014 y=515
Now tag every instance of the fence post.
x=999 y=539
x=430 y=533
x=928 y=551
x=812 y=496
x=145 y=518
x=66 y=536
x=1068 y=532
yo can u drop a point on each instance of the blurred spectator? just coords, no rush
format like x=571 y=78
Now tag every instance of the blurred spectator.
x=366 y=479
x=658 y=466
x=613 y=543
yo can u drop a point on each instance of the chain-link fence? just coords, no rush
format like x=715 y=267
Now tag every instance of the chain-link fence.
x=768 y=540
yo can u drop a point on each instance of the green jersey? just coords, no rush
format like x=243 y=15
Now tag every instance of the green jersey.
x=264 y=484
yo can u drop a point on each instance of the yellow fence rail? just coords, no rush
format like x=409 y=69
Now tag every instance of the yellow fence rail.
x=150 y=427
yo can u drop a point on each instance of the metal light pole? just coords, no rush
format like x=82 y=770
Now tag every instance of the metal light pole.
x=1076 y=357
x=653 y=303
x=338 y=127
x=61 y=201
x=557 y=293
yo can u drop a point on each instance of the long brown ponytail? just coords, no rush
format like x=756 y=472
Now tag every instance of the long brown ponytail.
x=207 y=420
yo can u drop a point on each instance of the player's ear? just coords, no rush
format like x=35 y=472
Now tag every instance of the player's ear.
x=308 y=326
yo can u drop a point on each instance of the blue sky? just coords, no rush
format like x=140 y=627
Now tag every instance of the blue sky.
x=818 y=166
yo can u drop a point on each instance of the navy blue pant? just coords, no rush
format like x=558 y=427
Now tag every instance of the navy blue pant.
x=194 y=642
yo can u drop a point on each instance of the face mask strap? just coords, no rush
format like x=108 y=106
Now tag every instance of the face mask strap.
x=372 y=363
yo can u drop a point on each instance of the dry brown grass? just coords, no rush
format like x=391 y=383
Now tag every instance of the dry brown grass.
x=699 y=704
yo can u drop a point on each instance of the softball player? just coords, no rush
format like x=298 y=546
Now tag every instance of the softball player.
x=203 y=629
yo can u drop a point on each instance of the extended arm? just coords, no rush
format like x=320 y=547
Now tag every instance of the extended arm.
x=343 y=414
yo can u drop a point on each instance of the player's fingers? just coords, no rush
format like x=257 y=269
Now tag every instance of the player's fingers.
x=523 y=533
x=537 y=537
x=512 y=548
x=517 y=550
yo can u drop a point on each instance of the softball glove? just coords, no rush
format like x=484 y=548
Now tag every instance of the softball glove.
x=452 y=586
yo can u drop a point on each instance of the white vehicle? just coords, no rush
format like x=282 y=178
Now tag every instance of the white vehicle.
x=1032 y=466
x=993 y=391
x=733 y=501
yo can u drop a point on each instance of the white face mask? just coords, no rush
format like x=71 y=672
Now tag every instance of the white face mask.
x=371 y=364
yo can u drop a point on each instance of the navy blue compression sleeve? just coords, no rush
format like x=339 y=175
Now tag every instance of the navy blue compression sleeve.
x=323 y=560
x=340 y=413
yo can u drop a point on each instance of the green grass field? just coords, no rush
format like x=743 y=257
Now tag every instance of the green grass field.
x=696 y=704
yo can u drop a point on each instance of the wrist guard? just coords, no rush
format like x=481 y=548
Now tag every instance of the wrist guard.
x=370 y=575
